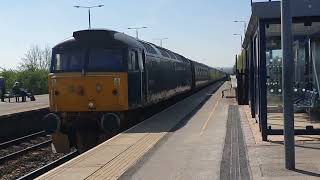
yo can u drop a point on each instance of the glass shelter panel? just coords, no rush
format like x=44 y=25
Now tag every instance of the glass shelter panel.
x=306 y=52
x=274 y=72
x=316 y=64
x=315 y=43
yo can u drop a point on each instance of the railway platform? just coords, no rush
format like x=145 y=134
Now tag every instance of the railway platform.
x=7 y=108
x=204 y=136
x=22 y=118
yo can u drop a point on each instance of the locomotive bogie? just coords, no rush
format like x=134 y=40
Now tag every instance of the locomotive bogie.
x=84 y=130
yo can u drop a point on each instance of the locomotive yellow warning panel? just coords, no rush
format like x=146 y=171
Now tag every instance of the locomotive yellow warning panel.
x=74 y=92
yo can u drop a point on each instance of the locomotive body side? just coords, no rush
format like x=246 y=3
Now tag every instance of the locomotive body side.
x=166 y=75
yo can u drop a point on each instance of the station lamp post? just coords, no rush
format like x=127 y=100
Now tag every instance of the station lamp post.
x=137 y=30
x=244 y=26
x=240 y=48
x=161 y=39
x=89 y=9
x=240 y=41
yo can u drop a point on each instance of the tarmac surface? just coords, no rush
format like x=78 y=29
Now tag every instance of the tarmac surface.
x=7 y=108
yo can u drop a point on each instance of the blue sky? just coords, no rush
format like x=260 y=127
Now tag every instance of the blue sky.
x=201 y=30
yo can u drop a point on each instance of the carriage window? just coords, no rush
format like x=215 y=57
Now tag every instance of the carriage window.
x=179 y=57
x=164 y=53
x=171 y=55
x=148 y=47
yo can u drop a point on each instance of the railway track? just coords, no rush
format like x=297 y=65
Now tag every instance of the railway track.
x=24 y=151
x=14 y=148
x=21 y=139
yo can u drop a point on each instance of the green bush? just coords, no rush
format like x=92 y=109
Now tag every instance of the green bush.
x=35 y=81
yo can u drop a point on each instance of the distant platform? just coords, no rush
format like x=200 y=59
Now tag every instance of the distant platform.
x=13 y=107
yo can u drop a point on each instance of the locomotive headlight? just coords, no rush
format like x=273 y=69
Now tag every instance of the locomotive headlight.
x=98 y=88
x=116 y=82
x=91 y=105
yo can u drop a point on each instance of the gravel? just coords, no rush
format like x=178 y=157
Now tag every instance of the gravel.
x=23 y=145
x=27 y=163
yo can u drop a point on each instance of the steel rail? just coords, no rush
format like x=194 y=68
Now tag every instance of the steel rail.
x=23 y=151
x=21 y=139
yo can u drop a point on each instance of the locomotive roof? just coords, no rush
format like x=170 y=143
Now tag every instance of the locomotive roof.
x=101 y=36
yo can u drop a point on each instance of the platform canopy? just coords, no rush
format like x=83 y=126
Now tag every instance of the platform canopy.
x=301 y=9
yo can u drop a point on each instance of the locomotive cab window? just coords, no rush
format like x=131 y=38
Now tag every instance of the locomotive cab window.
x=68 y=60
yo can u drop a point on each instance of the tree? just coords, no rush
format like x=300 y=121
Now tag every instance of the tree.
x=36 y=58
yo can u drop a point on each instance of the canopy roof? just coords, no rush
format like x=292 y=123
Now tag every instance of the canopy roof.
x=271 y=10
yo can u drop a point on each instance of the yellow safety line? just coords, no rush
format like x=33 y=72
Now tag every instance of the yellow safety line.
x=211 y=113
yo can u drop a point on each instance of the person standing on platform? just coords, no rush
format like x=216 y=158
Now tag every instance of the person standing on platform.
x=2 y=88
x=16 y=90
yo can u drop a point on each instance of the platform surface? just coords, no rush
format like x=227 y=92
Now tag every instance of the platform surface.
x=301 y=120
x=111 y=159
x=194 y=150
x=7 y=108
x=204 y=136
x=267 y=161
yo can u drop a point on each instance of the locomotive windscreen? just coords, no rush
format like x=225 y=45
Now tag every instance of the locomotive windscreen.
x=105 y=60
x=89 y=60
x=68 y=60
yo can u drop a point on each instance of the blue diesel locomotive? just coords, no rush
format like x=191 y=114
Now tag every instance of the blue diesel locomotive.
x=99 y=77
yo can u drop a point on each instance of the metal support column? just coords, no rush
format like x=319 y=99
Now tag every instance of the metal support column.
x=89 y=18
x=252 y=73
x=287 y=84
x=263 y=82
x=236 y=64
